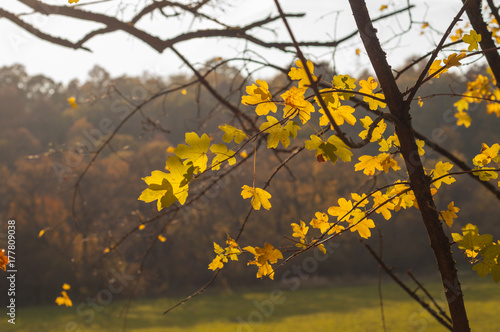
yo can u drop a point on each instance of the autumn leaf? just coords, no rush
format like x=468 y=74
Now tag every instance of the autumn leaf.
x=222 y=154
x=278 y=133
x=299 y=231
x=472 y=39
x=361 y=224
x=463 y=119
x=231 y=133
x=382 y=204
x=454 y=59
x=264 y=257
x=377 y=132
x=72 y=101
x=196 y=151
x=442 y=169
x=321 y=222
x=369 y=164
x=162 y=238
x=295 y=104
x=487 y=154
x=450 y=214
x=259 y=196
x=300 y=73
x=65 y=286
x=64 y=299
x=260 y=96
x=435 y=67
x=73 y=1
x=343 y=211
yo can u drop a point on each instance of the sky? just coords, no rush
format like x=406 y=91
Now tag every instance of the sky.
x=121 y=54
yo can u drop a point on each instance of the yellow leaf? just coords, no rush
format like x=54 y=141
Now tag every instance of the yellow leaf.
x=472 y=39
x=170 y=149
x=377 y=132
x=66 y=286
x=41 y=233
x=196 y=152
x=343 y=211
x=141 y=227
x=106 y=250
x=222 y=154
x=72 y=102
x=260 y=96
x=300 y=231
x=64 y=300
x=162 y=238
x=436 y=66
x=73 y=1
x=295 y=104
x=259 y=196
x=463 y=119
x=420 y=145
x=184 y=91
x=368 y=164
x=454 y=59
x=383 y=7
x=450 y=214
x=244 y=154
x=231 y=133
x=358 y=51
x=300 y=73
x=442 y=169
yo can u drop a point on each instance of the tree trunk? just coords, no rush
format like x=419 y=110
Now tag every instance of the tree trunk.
x=419 y=181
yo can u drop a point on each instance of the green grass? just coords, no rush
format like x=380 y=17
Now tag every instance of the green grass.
x=352 y=308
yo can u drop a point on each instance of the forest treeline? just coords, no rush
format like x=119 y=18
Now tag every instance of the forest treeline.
x=45 y=144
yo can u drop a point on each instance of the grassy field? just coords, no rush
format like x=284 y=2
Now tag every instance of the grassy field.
x=352 y=308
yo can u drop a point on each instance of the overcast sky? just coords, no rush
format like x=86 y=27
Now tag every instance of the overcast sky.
x=121 y=54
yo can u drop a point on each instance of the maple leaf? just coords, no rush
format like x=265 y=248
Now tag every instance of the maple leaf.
x=4 y=260
x=368 y=86
x=72 y=102
x=299 y=231
x=343 y=211
x=368 y=164
x=485 y=175
x=472 y=39
x=377 y=132
x=278 y=133
x=264 y=257
x=461 y=105
x=435 y=67
x=300 y=73
x=442 y=169
x=196 y=152
x=339 y=114
x=330 y=150
x=382 y=205
x=321 y=222
x=486 y=155
x=450 y=214
x=231 y=133
x=64 y=299
x=260 y=96
x=387 y=162
x=168 y=188
x=259 y=197
x=361 y=224
x=463 y=119
x=295 y=104
x=454 y=59
x=344 y=82
x=222 y=154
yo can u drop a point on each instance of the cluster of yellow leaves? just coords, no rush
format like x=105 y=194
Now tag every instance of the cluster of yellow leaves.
x=483 y=252
x=488 y=155
x=482 y=88
x=231 y=251
x=4 y=260
x=190 y=159
x=64 y=298
x=264 y=257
